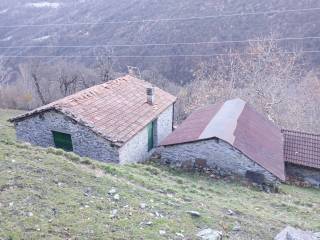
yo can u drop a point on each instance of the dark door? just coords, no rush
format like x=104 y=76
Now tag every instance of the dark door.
x=150 y=136
x=63 y=141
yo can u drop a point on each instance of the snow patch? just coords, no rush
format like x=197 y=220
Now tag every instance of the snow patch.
x=84 y=33
x=6 y=39
x=44 y=5
x=40 y=39
x=4 y=11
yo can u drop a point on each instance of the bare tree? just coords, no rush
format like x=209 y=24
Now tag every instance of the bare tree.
x=134 y=71
x=307 y=104
x=268 y=75
x=68 y=84
x=37 y=84
x=35 y=76
x=4 y=73
x=104 y=64
x=264 y=77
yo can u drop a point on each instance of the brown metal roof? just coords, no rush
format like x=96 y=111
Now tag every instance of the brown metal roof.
x=241 y=126
x=302 y=148
x=260 y=140
x=117 y=110
x=193 y=126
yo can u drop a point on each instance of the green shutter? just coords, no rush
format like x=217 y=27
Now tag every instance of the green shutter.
x=150 y=136
x=63 y=141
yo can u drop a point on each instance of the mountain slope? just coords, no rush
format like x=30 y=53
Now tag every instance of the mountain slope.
x=50 y=194
x=19 y=12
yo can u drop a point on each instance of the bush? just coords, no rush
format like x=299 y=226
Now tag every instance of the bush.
x=72 y=156
x=179 y=181
x=86 y=161
x=110 y=169
x=152 y=170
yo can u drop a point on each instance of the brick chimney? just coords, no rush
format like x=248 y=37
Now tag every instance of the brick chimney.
x=150 y=95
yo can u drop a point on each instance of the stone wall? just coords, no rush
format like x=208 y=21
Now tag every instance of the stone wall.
x=37 y=130
x=305 y=175
x=164 y=125
x=136 y=150
x=217 y=155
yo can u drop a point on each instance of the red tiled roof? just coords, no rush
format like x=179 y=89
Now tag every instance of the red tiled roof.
x=302 y=148
x=241 y=126
x=117 y=110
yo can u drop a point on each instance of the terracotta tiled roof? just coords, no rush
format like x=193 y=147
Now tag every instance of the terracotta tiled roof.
x=302 y=148
x=241 y=126
x=117 y=110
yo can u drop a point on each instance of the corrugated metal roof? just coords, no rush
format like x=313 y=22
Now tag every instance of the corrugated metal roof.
x=241 y=126
x=117 y=110
x=302 y=148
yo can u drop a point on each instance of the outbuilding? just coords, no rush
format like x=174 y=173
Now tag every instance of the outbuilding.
x=120 y=121
x=302 y=157
x=230 y=138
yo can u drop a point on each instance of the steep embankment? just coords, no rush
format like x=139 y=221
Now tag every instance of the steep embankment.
x=50 y=194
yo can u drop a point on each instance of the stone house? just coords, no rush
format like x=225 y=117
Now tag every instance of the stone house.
x=230 y=138
x=120 y=121
x=302 y=157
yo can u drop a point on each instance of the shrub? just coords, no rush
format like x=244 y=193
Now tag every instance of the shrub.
x=179 y=181
x=110 y=169
x=152 y=170
x=86 y=161
x=72 y=156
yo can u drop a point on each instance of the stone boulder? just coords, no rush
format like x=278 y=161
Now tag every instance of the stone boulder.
x=209 y=234
x=290 y=233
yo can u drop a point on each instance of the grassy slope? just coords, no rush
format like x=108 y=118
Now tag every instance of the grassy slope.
x=48 y=194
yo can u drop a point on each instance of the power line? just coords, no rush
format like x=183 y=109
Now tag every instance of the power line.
x=163 y=44
x=166 y=19
x=151 y=56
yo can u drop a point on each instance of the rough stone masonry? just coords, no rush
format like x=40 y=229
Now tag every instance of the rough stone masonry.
x=218 y=155
x=38 y=128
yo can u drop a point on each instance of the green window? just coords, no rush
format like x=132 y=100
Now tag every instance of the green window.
x=150 y=136
x=63 y=141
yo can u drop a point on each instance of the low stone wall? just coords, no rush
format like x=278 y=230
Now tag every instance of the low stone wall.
x=217 y=155
x=303 y=175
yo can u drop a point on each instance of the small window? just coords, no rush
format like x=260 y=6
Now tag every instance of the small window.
x=151 y=129
x=63 y=141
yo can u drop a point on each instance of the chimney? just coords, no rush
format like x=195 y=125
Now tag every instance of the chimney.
x=150 y=95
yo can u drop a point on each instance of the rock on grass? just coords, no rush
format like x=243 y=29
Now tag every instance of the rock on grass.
x=194 y=213
x=209 y=234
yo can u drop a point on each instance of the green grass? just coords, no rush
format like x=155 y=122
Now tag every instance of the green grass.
x=50 y=194
x=6 y=129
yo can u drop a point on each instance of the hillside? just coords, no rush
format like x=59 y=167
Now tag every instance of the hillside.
x=14 y=13
x=50 y=194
